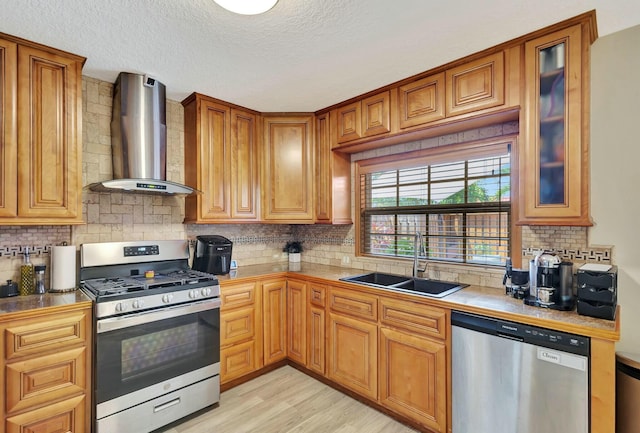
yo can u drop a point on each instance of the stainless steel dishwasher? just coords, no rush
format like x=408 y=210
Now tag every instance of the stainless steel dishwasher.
x=514 y=378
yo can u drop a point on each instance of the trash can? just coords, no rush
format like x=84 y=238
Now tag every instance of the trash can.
x=627 y=392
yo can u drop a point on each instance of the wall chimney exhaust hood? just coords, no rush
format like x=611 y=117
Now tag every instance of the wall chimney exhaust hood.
x=139 y=139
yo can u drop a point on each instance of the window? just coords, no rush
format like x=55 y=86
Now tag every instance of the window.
x=459 y=200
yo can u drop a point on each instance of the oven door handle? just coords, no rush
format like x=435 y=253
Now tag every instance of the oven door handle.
x=113 y=323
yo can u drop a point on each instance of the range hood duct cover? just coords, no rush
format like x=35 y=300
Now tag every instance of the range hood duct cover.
x=139 y=138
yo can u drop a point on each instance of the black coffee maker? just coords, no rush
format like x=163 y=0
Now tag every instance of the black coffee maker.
x=212 y=254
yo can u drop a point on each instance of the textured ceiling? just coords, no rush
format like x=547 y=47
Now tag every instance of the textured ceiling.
x=302 y=55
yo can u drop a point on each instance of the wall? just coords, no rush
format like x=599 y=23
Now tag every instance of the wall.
x=615 y=171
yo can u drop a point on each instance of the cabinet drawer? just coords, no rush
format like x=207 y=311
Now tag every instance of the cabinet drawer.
x=317 y=295
x=47 y=378
x=237 y=295
x=238 y=360
x=237 y=325
x=418 y=318
x=354 y=304
x=41 y=335
x=68 y=416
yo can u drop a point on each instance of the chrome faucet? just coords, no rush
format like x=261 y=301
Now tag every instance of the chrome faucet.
x=418 y=248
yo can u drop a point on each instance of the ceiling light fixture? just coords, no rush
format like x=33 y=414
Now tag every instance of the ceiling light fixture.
x=247 y=7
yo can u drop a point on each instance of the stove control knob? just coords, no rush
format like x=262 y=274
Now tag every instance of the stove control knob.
x=120 y=307
x=138 y=304
x=206 y=291
x=167 y=298
x=193 y=294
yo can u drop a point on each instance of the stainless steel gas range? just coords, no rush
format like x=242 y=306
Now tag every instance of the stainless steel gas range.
x=156 y=333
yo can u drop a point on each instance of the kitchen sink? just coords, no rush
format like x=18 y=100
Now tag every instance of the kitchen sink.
x=421 y=286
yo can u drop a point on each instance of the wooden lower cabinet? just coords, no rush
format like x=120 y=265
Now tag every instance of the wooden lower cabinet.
x=240 y=330
x=316 y=325
x=353 y=354
x=45 y=362
x=297 y=321
x=274 y=313
x=64 y=417
x=413 y=379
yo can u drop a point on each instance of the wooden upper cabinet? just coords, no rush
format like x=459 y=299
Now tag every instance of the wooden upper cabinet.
x=288 y=169
x=8 y=128
x=476 y=85
x=40 y=135
x=554 y=157
x=244 y=166
x=333 y=176
x=421 y=101
x=221 y=161
x=365 y=118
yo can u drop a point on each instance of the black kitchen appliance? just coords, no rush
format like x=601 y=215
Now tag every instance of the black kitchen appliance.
x=550 y=283
x=212 y=254
x=598 y=292
x=156 y=334
x=9 y=289
x=516 y=281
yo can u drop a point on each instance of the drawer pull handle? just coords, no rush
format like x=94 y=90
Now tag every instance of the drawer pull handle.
x=166 y=405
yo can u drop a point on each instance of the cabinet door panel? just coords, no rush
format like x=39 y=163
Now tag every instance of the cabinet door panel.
x=45 y=334
x=413 y=379
x=237 y=325
x=297 y=321
x=554 y=161
x=475 y=85
x=46 y=378
x=375 y=114
x=422 y=101
x=288 y=169
x=67 y=416
x=274 y=315
x=8 y=125
x=349 y=122
x=316 y=340
x=353 y=349
x=244 y=165
x=49 y=158
x=238 y=360
x=215 y=160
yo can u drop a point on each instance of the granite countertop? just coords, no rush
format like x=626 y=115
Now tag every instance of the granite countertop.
x=474 y=299
x=30 y=303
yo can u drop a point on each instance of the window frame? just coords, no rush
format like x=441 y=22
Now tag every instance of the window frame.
x=439 y=155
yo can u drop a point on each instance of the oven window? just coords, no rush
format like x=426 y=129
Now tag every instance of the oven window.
x=136 y=357
x=144 y=353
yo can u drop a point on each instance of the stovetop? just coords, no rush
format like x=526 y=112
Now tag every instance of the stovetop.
x=112 y=286
x=131 y=277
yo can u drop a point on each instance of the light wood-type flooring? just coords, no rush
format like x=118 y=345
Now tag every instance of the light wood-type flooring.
x=287 y=401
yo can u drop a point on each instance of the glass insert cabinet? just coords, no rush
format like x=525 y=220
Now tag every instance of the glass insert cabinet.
x=553 y=162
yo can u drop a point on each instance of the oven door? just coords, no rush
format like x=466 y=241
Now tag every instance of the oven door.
x=149 y=353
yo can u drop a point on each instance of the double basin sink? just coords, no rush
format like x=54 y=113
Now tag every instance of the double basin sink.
x=420 y=286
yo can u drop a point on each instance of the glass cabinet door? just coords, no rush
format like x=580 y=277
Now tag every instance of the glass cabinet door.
x=553 y=160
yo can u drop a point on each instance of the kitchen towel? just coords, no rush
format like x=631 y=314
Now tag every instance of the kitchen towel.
x=63 y=268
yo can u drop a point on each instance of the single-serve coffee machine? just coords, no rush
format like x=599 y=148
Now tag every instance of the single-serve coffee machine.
x=212 y=254
x=551 y=282
x=516 y=281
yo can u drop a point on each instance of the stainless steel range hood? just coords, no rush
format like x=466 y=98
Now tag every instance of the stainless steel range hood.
x=139 y=139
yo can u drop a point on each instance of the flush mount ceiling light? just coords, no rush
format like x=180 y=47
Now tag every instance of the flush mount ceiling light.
x=247 y=7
